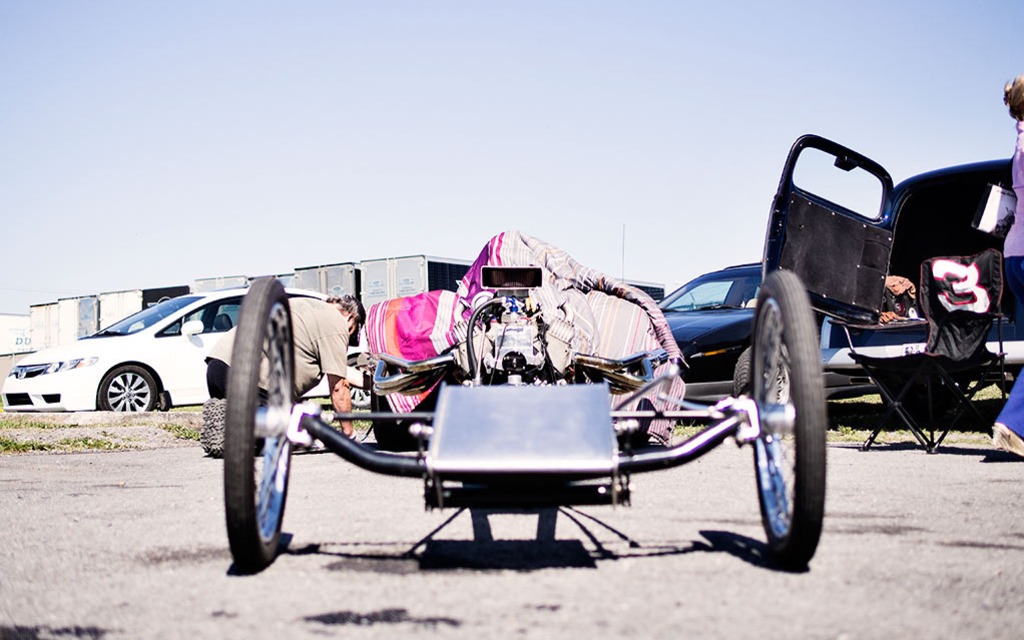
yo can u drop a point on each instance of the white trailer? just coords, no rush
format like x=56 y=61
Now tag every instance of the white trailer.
x=329 y=279
x=15 y=333
x=76 y=318
x=115 y=305
x=386 y=278
x=43 y=325
x=219 y=282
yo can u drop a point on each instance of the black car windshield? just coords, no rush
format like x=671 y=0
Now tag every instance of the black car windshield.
x=147 y=317
x=715 y=291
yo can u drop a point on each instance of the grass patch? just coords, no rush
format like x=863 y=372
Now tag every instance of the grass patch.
x=181 y=432
x=88 y=444
x=33 y=424
x=863 y=413
x=10 y=445
x=852 y=420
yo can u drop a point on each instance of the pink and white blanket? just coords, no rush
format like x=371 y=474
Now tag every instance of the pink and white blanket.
x=594 y=313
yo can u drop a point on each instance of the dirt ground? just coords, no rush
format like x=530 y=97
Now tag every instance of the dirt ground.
x=68 y=432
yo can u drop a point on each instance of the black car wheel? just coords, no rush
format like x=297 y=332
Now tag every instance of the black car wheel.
x=390 y=435
x=741 y=374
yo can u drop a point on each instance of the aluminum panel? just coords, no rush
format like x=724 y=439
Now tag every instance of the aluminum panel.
x=507 y=429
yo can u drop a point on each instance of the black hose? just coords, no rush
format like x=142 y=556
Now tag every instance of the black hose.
x=474 y=369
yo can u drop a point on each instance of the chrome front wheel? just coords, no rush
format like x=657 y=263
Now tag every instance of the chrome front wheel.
x=259 y=404
x=787 y=385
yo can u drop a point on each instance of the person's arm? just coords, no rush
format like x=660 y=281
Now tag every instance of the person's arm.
x=341 y=399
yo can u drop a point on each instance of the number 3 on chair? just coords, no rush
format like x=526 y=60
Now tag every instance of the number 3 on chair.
x=958 y=286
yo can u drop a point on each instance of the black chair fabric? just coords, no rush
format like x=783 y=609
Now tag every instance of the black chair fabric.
x=959 y=296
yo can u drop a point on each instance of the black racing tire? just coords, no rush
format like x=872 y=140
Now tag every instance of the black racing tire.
x=741 y=374
x=256 y=487
x=211 y=433
x=128 y=388
x=789 y=454
x=390 y=435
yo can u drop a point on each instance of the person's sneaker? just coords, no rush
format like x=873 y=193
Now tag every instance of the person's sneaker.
x=1006 y=440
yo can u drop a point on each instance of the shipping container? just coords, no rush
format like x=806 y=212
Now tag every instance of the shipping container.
x=115 y=305
x=15 y=333
x=286 y=279
x=76 y=318
x=330 y=279
x=386 y=278
x=157 y=295
x=219 y=282
x=653 y=289
x=43 y=325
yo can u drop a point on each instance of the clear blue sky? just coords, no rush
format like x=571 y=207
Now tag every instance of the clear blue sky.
x=147 y=144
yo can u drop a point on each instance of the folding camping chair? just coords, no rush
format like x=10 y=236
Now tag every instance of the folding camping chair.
x=959 y=297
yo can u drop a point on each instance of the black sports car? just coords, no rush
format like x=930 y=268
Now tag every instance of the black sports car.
x=711 y=317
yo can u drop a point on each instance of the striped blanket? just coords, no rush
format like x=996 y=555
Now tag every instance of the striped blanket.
x=591 y=312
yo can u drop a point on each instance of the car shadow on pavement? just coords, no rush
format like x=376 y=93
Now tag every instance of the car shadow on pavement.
x=484 y=552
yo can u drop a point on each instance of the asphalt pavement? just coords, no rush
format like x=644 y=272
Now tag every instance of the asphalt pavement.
x=132 y=545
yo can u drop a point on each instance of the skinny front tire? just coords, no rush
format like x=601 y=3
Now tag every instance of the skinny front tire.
x=259 y=404
x=787 y=385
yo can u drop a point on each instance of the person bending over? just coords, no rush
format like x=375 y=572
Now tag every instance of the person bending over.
x=322 y=331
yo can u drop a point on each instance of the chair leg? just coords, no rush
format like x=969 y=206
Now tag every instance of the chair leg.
x=894 y=404
x=890 y=407
x=964 y=397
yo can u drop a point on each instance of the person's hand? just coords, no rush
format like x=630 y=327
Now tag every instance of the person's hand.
x=341 y=400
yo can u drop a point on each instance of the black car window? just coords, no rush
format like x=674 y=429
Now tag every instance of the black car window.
x=217 y=317
x=702 y=295
x=721 y=291
x=744 y=292
x=147 y=317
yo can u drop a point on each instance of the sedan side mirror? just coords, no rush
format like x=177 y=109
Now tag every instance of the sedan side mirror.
x=192 y=327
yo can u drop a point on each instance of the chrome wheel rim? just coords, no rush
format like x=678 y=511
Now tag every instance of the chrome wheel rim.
x=271 y=465
x=775 y=450
x=129 y=392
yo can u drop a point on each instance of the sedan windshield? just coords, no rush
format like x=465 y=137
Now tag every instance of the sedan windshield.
x=147 y=317
x=726 y=291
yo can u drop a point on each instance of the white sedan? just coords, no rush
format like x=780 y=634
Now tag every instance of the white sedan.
x=154 y=359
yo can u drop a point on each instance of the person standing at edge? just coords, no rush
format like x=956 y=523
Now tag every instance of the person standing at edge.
x=1008 y=430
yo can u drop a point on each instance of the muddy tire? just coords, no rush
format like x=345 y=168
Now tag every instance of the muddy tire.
x=211 y=433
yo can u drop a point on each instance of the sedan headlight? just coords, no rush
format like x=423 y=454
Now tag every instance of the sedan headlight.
x=77 y=363
x=33 y=370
